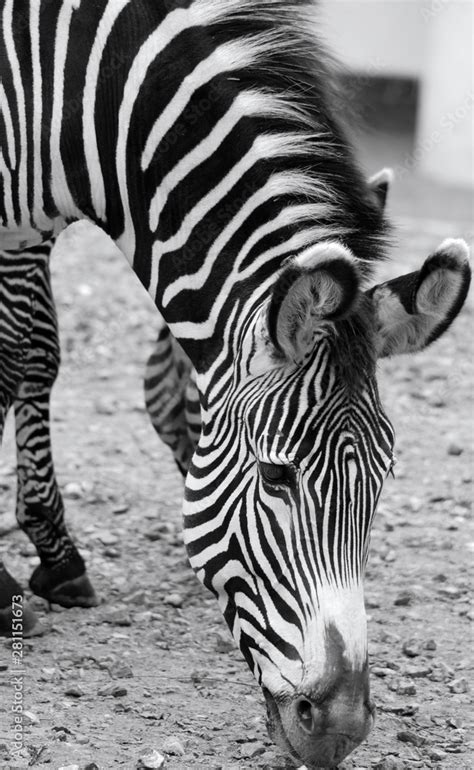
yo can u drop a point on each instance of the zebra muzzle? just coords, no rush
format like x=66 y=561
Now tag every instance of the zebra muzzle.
x=321 y=732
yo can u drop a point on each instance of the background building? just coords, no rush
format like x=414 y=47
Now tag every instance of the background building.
x=419 y=56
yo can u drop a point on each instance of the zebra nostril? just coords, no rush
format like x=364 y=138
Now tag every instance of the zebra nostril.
x=304 y=709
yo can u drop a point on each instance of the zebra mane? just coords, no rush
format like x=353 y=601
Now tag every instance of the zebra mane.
x=353 y=350
x=294 y=72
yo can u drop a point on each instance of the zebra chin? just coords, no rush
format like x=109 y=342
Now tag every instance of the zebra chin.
x=320 y=732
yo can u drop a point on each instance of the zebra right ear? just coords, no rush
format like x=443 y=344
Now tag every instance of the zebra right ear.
x=320 y=284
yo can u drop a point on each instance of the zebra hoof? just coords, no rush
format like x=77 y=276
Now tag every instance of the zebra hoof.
x=30 y=623
x=11 y=598
x=53 y=585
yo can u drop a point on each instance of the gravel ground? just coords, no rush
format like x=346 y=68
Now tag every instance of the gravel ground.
x=153 y=668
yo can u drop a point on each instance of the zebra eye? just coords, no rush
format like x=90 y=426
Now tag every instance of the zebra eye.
x=275 y=474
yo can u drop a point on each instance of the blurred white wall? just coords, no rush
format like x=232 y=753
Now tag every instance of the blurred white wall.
x=431 y=40
x=377 y=37
x=445 y=126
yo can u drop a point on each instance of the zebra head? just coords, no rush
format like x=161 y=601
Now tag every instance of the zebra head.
x=294 y=451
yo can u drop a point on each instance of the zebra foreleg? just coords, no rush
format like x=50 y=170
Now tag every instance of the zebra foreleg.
x=61 y=576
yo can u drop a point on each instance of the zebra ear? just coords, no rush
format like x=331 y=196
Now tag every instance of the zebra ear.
x=320 y=284
x=379 y=183
x=415 y=309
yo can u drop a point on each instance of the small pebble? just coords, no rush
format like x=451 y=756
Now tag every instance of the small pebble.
x=454 y=722
x=372 y=604
x=403 y=599
x=416 y=504
x=173 y=746
x=441 y=672
x=106 y=537
x=143 y=618
x=437 y=754
x=402 y=708
x=117 y=617
x=106 y=406
x=116 y=690
x=199 y=675
x=440 y=578
x=393 y=684
x=73 y=490
x=61 y=729
x=174 y=599
x=251 y=750
x=381 y=672
x=407 y=736
x=121 y=671
x=119 y=510
x=154 y=534
x=112 y=553
x=151 y=760
x=412 y=648
x=417 y=672
x=406 y=688
x=389 y=763
x=454 y=449
x=424 y=720
x=138 y=597
x=30 y=718
x=48 y=674
x=459 y=685
x=75 y=691
x=451 y=592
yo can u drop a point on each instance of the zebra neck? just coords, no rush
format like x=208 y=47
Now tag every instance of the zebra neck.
x=200 y=135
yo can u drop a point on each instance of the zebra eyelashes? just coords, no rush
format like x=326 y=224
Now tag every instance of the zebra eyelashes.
x=277 y=475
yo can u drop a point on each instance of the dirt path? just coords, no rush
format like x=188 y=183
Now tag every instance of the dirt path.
x=154 y=666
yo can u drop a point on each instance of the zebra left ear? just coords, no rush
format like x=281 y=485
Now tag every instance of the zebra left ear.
x=415 y=309
x=380 y=183
x=320 y=284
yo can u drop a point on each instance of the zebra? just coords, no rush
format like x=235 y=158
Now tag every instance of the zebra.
x=172 y=402
x=206 y=139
